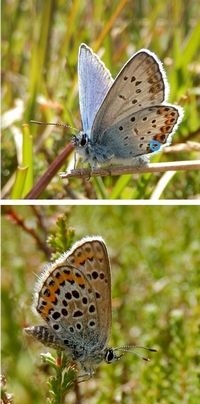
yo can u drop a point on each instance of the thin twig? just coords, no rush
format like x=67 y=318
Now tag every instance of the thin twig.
x=42 y=183
x=13 y=215
x=149 y=168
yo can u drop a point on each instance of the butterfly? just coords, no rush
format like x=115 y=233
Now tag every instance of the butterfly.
x=126 y=119
x=73 y=297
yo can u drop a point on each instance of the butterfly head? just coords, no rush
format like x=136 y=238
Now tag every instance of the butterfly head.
x=81 y=140
x=111 y=356
x=81 y=143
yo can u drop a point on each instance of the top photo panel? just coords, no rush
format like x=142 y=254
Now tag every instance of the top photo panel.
x=100 y=100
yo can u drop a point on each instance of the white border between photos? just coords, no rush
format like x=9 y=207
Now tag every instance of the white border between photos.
x=91 y=202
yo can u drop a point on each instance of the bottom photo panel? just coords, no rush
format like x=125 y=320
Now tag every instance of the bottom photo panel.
x=100 y=304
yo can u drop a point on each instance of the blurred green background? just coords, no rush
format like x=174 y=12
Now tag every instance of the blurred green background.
x=40 y=42
x=155 y=261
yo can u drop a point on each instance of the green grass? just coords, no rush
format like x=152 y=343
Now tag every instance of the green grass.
x=40 y=42
x=154 y=253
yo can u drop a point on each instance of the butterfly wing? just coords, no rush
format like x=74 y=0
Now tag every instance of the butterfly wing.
x=143 y=132
x=73 y=296
x=94 y=82
x=141 y=83
x=46 y=336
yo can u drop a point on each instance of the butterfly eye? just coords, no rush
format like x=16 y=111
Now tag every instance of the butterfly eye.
x=84 y=139
x=109 y=356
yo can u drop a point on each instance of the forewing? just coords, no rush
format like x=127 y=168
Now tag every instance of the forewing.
x=141 y=83
x=94 y=82
x=143 y=132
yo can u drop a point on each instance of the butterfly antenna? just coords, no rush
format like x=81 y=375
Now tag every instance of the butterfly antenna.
x=62 y=125
x=125 y=349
